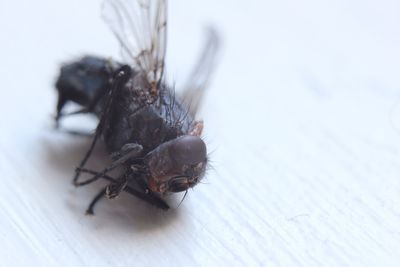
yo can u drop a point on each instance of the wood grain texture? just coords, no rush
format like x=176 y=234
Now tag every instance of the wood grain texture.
x=302 y=118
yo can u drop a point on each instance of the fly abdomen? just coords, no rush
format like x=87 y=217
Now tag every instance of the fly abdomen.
x=84 y=82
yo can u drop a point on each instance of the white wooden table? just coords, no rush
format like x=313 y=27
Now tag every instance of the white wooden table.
x=303 y=118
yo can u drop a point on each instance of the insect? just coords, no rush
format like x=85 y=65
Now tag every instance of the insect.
x=152 y=135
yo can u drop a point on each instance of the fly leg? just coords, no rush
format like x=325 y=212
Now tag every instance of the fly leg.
x=100 y=195
x=73 y=132
x=143 y=195
x=64 y=98
x=78 y=133
x=130 y=152
x=77 y=112
x=111 y=191
x=89 y=109
x=114 y=189
x=127 y=148
x=120 y=78
x=151 y=197
x=159 y=203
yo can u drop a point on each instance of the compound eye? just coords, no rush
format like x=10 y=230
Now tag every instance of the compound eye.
x=178 y=185
x=189 y=150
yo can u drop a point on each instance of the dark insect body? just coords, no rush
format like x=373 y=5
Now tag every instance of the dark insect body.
x=150 y=133
x=85 y=82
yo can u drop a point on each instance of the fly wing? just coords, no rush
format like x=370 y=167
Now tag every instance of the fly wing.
x=141 y=27
x=196 y=85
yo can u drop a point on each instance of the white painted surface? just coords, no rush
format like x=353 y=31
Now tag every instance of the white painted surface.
x=303 y=116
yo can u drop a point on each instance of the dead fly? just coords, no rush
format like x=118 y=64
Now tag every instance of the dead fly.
x=151 y=135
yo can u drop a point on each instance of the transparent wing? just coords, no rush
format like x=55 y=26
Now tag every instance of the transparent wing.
x=196 y=85
x=140 y=26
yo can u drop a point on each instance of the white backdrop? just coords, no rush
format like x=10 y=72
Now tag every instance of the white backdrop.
x=303 y=118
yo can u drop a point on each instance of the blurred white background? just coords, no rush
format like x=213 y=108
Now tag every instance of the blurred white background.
x=302 y=116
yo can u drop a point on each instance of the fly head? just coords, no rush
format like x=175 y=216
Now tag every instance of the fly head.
x=177 y=165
